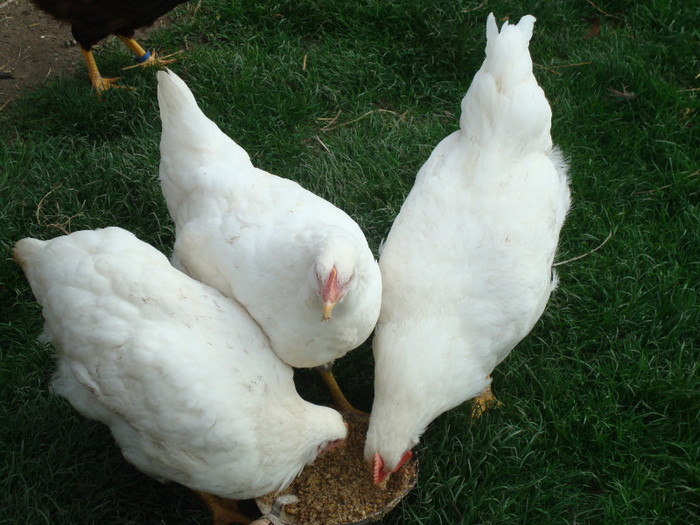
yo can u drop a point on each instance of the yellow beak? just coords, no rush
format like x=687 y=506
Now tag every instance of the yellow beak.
x=328 y=310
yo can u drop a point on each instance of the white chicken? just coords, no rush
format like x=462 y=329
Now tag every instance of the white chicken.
x=288 y=256
x=182 y=375
x=467 y=265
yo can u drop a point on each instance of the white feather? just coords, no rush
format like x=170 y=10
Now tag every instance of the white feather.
x=184 y=378
x=261 y=239
x=467 y=266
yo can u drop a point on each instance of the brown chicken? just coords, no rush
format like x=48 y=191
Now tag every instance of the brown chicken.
x=91 y=21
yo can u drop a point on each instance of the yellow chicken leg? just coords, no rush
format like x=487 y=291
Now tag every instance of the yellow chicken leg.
x=483 y=401
x=98 y=82
x=142 y=56
x=339 y=400
x=225 y=510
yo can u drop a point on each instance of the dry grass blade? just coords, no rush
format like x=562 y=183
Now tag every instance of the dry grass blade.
x=332 y=123
x=560 y=263
x=159 y=62
x=470 y=9
x=330 y=120
x=621 y=95
x=604 y=12
x=322 y=144
x=8 y=67
x=553 y=69
x=64 y=226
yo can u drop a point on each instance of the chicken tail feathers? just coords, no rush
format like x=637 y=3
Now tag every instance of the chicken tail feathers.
x=186 y=126
x=173 y=94
x=191 y=146
x=25 y=250
x=504 y=99
x=179 y=112
x=32 y=255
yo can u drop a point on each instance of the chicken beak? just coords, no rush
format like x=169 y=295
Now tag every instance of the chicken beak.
x=328 y=310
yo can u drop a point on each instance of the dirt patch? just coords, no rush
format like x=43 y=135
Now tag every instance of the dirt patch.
x=35 y=47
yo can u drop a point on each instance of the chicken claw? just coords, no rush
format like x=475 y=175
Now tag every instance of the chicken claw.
x=274 y=517
x=153 y=60
x=483 y=401
x=143 y=57
x=98 y=81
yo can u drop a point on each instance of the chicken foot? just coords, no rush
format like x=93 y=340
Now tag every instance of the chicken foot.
x=274 y=517
x=339 y=400
x=98 y=82
x=225 y=510
x=483 y=401
x=144 y=57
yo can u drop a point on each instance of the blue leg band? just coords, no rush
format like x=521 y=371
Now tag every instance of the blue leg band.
x=143 y=58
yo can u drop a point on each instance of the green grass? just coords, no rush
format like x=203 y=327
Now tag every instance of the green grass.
x=599 y=422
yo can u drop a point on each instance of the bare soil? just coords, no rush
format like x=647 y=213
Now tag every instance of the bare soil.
x=35 y=47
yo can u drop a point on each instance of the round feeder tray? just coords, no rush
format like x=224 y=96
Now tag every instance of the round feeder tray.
x=337 y=488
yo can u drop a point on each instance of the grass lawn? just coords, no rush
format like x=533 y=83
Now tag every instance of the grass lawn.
x=601 y=402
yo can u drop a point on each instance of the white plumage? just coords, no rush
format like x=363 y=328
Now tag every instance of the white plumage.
x=284 y=253
x=467 y=266
x=184 y=378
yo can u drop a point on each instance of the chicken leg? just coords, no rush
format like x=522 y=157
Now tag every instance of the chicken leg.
x=142 y=56
x=98 y=82
x=483 y=401
x=339 y=400
x=225 y=510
